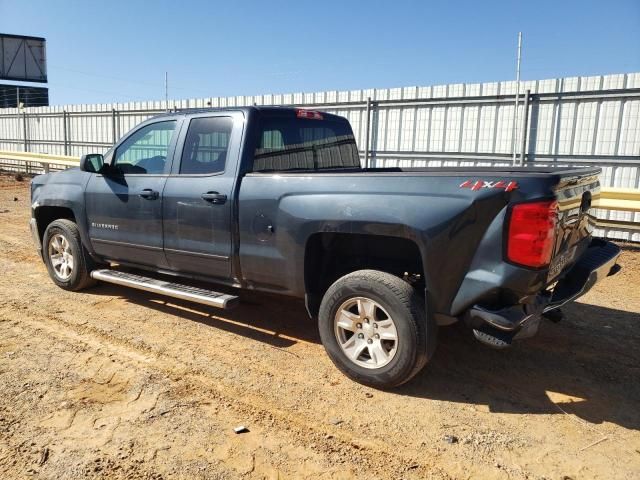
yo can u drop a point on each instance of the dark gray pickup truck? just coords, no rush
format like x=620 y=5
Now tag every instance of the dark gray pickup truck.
x=275 y=199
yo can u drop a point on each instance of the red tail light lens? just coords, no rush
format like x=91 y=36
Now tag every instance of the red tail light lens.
x=531 y=236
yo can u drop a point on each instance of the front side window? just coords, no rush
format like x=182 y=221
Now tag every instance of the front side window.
x=145 y=151
x=206 y=145
x=287 y=144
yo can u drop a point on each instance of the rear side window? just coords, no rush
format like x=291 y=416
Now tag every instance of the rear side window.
x=206 y=145
x=288 y=144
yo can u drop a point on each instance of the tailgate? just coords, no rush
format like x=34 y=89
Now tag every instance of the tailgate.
x=575 y=192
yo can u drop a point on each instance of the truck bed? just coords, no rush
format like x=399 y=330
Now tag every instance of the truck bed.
x=438 y=208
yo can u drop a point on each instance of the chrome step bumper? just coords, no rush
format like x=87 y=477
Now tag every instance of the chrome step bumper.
x=175 y=290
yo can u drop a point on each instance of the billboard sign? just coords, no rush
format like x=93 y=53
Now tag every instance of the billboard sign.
x=12 y=96
x=22 y=58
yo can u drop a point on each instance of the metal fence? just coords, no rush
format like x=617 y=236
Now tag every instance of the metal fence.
x=560 y=122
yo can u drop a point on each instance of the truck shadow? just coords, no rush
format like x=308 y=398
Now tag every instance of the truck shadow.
x=587 y=365
x=278 y=321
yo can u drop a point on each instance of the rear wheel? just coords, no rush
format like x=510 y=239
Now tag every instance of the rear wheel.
x=68 y=263
x=374 y=328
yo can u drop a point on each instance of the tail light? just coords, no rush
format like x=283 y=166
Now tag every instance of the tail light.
x=531 y=235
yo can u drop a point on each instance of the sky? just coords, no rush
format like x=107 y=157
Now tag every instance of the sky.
x=118 y=51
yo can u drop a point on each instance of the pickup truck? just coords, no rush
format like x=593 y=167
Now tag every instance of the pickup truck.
x=276 y=200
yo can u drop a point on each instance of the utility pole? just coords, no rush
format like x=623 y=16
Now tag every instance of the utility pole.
x=17 y=97
x=515 y=110
x=366 y=135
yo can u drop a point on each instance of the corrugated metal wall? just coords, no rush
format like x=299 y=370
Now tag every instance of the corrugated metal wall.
x=570 y=121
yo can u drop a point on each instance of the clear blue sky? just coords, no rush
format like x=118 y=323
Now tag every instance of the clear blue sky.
x=113 y=50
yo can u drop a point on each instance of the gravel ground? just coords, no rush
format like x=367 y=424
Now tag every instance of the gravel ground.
x=115 y=383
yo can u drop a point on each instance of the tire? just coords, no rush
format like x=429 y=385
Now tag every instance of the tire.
x=383 y=363
x=62 y=243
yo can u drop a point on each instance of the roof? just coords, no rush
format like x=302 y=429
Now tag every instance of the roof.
x=264 y=110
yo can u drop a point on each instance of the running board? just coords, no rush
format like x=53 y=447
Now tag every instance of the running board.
x=175 y=290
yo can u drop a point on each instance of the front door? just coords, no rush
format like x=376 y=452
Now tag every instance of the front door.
x=197 y=200
x=124 y=205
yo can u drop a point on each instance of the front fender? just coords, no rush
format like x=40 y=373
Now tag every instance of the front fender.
x=62 y=190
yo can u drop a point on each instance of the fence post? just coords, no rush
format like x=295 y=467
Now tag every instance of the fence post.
x=69 y=133
x=24 y=129
x=366 y=135
x=25 y=138
x=525 y=118
x=64 y=131
x=113 y=125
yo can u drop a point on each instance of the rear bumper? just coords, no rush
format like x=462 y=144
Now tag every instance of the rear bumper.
x=599 y=261
x=521 y=321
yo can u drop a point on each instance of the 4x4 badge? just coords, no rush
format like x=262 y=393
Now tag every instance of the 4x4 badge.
x=478 y=184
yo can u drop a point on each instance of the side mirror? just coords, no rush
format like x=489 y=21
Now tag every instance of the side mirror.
x=92 y=162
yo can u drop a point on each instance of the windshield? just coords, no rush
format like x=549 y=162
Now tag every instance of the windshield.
x=305 y=144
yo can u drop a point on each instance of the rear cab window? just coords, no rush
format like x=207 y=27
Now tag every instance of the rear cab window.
x=316 y=142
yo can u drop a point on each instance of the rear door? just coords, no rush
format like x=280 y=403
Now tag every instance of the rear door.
x=124 y=206
x=197 y=200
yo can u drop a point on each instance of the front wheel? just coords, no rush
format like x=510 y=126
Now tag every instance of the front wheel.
x=68 y=263
x=374 y=328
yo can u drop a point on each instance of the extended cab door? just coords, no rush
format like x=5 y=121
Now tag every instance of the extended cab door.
x=197 y=200
x=124 y=205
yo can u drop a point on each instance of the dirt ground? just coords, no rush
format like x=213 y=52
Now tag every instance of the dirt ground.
x=115 y=383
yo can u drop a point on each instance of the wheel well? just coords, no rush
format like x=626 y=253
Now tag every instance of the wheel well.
x=45 y=215
x=329 y=256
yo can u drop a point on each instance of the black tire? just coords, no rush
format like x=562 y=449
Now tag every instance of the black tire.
x=416 y=332
x=80 y=276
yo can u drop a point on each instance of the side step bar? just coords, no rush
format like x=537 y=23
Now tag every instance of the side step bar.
x=175 y=290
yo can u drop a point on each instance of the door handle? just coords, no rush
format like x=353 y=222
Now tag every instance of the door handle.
x=214 y=197
x=149 y=194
